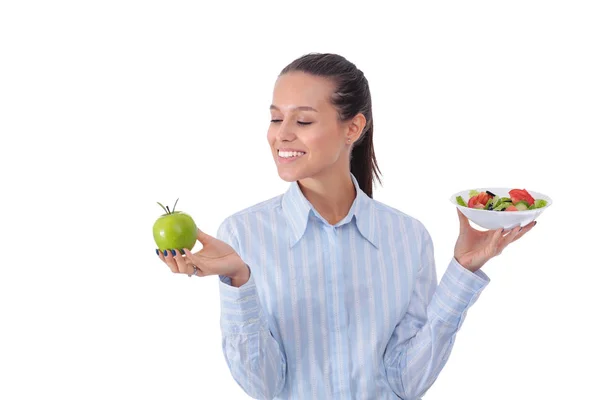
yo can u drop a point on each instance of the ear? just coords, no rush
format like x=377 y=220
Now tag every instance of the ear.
x=355 y=128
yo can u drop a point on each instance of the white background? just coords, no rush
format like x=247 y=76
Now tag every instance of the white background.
x=108 y=107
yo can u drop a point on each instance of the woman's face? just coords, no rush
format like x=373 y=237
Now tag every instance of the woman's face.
x=306 y=137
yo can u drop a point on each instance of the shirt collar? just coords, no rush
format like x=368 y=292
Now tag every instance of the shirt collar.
x=297 y=210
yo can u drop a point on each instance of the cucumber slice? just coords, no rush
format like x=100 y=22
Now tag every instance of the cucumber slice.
x=496 y=201
x=460 y=201
x=503 y=199
x=539 y=203
x=488 y=205
x=522 y=205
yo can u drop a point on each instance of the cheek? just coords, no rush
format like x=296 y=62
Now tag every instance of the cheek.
x=323 y=144
x=271 y=136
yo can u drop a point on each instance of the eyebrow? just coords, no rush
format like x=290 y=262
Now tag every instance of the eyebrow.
x=300 y=108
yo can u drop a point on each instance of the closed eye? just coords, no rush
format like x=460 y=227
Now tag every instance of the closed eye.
x=299 y=122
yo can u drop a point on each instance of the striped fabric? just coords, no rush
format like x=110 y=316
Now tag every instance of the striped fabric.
x=345 y=311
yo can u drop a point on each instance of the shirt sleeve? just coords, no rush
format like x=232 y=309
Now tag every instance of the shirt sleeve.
x=421 y=343
x=255 y=359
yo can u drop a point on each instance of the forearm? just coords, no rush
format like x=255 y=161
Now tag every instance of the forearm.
x=254 y=357
x=413 y=369
x=414 y=363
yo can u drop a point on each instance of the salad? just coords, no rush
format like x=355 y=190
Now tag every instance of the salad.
x=519 y=200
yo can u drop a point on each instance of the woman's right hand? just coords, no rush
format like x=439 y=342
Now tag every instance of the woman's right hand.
x=215 y=258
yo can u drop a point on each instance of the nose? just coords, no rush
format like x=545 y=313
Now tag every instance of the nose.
x=285 y=131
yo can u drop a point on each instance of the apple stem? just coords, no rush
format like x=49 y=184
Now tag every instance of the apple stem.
x=175 y=205
x=163 y=207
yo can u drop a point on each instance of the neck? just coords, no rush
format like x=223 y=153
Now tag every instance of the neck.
x=332 y=196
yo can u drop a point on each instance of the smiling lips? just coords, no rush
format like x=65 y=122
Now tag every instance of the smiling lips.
x=286 y=155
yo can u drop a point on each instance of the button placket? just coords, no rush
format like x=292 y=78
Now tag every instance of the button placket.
x=338 y=321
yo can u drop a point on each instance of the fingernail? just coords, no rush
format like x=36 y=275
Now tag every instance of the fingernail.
x=520 y=229
x=535 y=223
x=157 y=253
x=165 y=253
x=173 y=252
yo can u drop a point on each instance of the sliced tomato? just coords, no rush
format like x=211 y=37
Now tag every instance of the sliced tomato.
x=480 y=197
x=479 y=200
x=484 y=198
x=517 y=195
x=472 y=201
x=511 y=208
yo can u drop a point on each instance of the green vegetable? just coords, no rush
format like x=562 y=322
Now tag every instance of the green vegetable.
x=496 y=201
x=539 y=203
x=460 y=201
x=473 y=193
x=503 y=205
x=522 y=205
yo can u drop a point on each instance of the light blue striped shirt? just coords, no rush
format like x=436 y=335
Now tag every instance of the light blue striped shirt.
x=345 y=311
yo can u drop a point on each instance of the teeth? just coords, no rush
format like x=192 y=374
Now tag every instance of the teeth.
x=288 y=154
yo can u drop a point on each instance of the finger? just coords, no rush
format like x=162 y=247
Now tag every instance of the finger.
x=199 y=272
x=463 y=220
x=181 y=263
x=168 y=259
x=192 y=259
x=507 y=239
x=202 y=237
x=493 y=246
x=524 y=230
x=496 y=237
x=162 y=257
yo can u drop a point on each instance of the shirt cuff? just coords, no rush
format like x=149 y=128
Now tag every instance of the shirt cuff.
x=241 y=311
x=459 y=288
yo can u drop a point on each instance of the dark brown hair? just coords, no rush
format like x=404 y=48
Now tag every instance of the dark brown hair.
x=350 y=96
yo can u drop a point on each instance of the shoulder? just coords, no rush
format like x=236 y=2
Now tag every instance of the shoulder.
x=390 y=218
x=244 y=218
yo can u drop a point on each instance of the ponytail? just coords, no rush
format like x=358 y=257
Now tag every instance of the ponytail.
x=363 y=163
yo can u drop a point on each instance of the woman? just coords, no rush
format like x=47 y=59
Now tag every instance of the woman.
x=325 y=292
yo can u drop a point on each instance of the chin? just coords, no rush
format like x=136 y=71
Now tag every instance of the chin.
x=290 y=175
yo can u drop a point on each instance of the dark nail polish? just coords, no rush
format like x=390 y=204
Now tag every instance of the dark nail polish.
x=165 y=253
x=157 y=253
x=535 y=223
x=173 y=252
x=520 y=229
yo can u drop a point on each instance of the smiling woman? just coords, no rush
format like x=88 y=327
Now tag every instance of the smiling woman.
x=325 y=292
x=329 y=96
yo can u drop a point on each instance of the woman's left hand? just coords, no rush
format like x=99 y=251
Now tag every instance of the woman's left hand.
x=474 y=248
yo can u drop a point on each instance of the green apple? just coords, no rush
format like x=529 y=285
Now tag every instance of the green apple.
x=174 y=230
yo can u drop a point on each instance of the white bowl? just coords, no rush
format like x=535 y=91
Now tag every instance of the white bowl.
x=488 y=219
